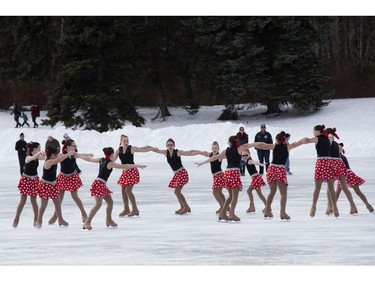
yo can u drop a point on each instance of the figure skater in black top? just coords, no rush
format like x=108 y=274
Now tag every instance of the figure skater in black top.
x=28 y=184
x=181 y=176
x=256 y=180
x=232 y=175
x=324 y=170
x=99 y=188
x=68 y=178
x=353 y=181
x=129 y=177
x=47 y=188
x=218 y=176
x=339 y=172
x=276 y=173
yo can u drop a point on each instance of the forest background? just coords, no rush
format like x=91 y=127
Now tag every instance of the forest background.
x=92 y=72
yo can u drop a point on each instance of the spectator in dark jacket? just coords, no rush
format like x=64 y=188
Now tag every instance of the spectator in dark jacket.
x=17 y=114
x=263 y=155
x=242 y=138
x=21 y=147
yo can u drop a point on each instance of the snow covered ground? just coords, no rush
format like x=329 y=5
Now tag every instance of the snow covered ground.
x=159 y=237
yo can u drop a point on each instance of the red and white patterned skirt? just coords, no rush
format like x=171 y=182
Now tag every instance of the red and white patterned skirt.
x=48 y=190
x=257 y=181
x=129 y=177
x=99 y=188
x=339 y=167
x=70 y=182
x=219 y=181
x=232 y=179
x=352 y=179
x=28 y=185
x=179 y=179
x=324 y=169
x=277 y=173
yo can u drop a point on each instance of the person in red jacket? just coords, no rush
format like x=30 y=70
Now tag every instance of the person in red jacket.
x=34 y=114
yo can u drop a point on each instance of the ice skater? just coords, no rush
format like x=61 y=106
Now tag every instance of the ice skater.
x=276 y=173
x=181 y=176
x=323 y=168
x=232 y=176
x=339 y=169
x=47 y=188
x=68 y=178
x=218 y=176
x=256 y=180
x=129 y=177
x=28 y=184
x=99 y=188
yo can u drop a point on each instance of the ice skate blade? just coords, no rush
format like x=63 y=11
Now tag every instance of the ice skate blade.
x=354 y=214
x=86 y=229
x=112 y=227
x=184 y=214
x=233 y=221
x=63 y=226
x=268 y=218
x=133 y=217
x=222 y=221
x=250 y=213
x=285 y=220
x=123 y=217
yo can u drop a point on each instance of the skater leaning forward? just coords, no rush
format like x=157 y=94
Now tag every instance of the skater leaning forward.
x=180 y=176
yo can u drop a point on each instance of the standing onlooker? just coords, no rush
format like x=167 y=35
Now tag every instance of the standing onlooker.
x=263 y=155
x=52 y=142
x=25 y=119
x=17 y=114
x=242 y=138
x=34 y=114
x=21 y=147
x=287 y=164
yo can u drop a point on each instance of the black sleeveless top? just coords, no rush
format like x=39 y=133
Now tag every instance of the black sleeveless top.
x=174 y=161
x=280 y=154
x=335 y=150
x=215 y=165
x=50 y=174
x=104 y=172
x=251 y=168
x=323 y=146
x=31 y=168
x=126 y=157
x=233 y=157
x=68 y=165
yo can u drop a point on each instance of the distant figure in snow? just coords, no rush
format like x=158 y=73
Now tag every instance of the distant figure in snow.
x=25 y=119
x=17 y=113
x=34 y=114
x=242 y=138
x=21 y=147
x=263 y=155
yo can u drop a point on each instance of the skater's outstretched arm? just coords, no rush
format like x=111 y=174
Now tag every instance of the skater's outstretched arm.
x=40 y=156
x=190 y=152
x=124 y=166
x=48 y=164
x=219 y=156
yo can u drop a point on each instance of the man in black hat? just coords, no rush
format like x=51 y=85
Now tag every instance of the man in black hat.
x=263 y=155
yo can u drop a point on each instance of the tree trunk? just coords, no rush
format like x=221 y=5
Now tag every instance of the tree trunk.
x=272 y=107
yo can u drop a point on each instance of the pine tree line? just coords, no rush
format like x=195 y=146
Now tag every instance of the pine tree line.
x=95 y=70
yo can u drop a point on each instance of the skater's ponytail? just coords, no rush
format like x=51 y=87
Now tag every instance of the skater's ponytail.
x=281 y=138
x=332 y=131
x=50 y=151
x=320 y=128
x=66 y=143
x=108 y=151
x=233 y=141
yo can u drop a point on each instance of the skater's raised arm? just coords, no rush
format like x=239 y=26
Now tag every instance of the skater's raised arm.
x=90 y=159
x=146 y=148
x=49 y=162
x=157 y=150
x=296 y=144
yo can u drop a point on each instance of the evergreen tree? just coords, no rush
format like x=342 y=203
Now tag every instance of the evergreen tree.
x=94 y=75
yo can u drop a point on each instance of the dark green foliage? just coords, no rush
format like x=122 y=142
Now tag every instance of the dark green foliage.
x=94 y=75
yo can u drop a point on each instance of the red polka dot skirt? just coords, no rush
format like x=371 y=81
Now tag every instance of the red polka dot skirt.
x=28 y=185
x=276 y=173
x=99 y=188
x=129 y=177
x=352 y=179
x=257 y=181
x=179 y=179
x=218 y=181
x=233 y=179
x=69 y=182
x=48 y=190
x=324 y=169
x=339 y=167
